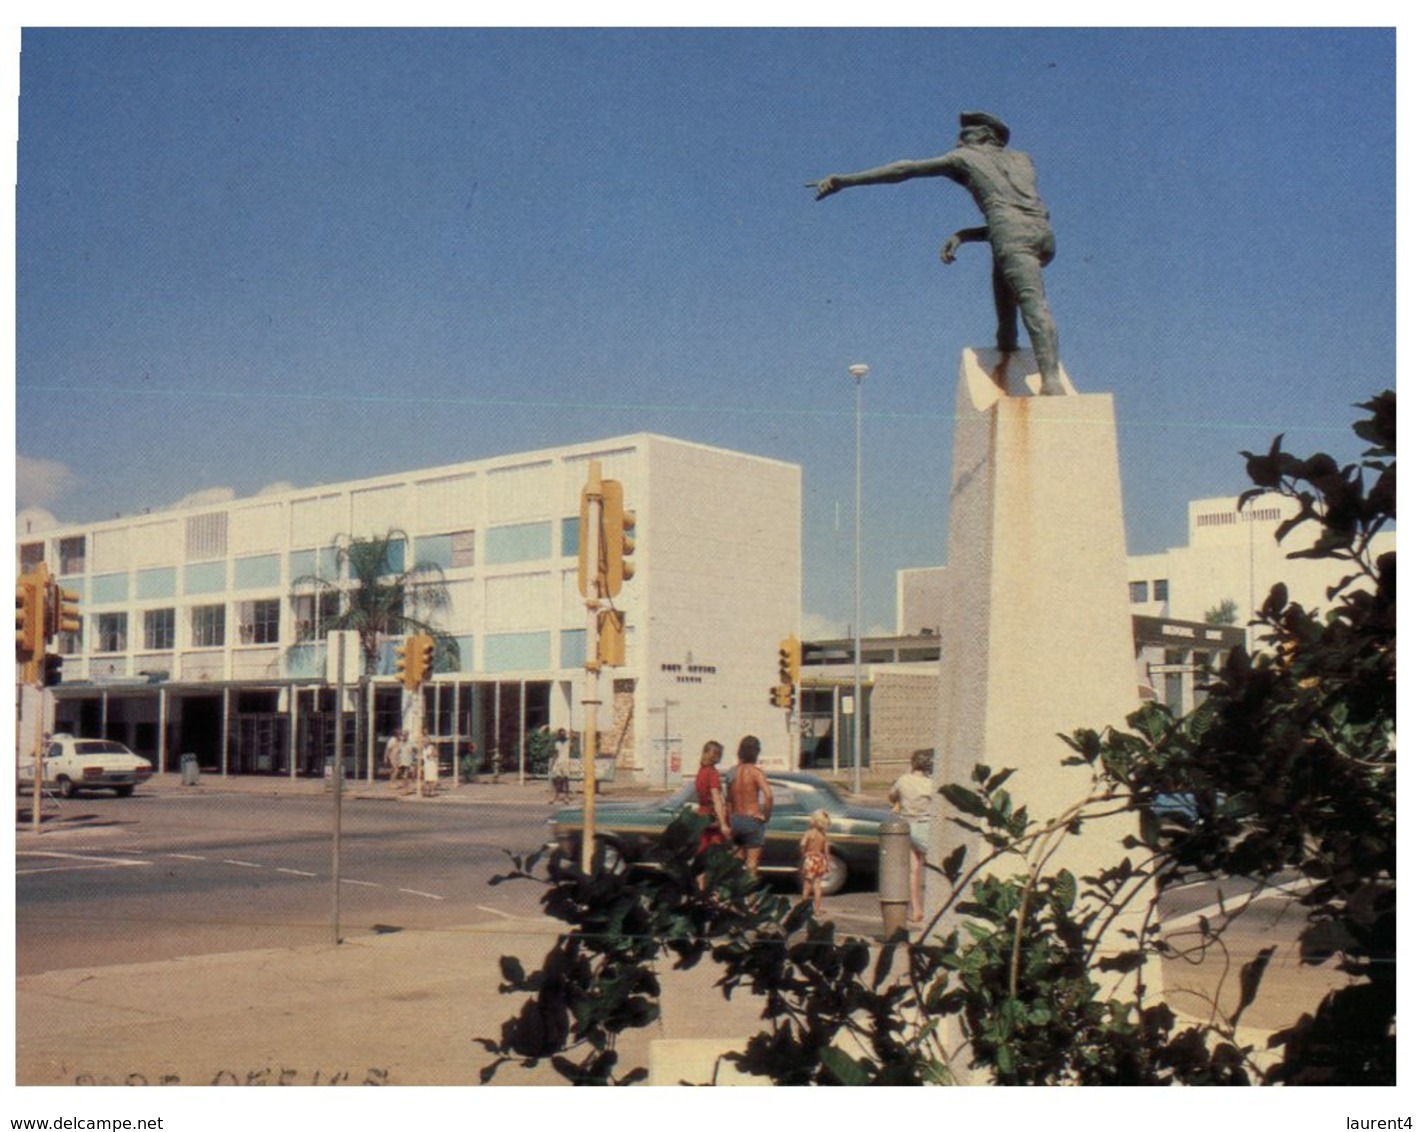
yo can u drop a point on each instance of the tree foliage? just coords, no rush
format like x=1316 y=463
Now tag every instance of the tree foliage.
x=1289 y=763
x=376 y=596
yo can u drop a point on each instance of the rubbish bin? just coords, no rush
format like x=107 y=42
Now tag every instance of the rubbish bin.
x=189 y=765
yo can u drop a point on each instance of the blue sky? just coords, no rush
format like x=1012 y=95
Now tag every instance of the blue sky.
x=248 y=258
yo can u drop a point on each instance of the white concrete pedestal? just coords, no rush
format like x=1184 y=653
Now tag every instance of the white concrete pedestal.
x=1037 y=636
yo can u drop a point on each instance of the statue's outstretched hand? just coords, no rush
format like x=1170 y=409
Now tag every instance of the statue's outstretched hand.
x=824 y=187
x=949 y=254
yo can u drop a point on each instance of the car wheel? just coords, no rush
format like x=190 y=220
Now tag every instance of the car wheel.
x=65 y=787
x=123 y=791
x=608 y=857
x=836 y=875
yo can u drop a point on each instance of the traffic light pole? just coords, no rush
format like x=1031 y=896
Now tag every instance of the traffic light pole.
x=592 y=600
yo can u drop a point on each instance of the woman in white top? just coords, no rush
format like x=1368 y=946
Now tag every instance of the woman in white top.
x=913 y=795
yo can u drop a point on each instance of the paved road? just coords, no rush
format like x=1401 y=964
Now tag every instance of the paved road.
x=162 y=875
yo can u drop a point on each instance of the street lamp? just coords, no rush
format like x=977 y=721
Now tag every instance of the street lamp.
x=858 y=372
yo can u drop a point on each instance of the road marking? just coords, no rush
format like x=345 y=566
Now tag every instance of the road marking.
x=241 y=864
x=86 y=862
x=186 y=857
x=417 y=892
x=495 y=911
x=362 y=883
x=296 y=872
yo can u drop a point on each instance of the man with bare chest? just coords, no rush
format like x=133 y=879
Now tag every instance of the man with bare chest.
x=750 y=801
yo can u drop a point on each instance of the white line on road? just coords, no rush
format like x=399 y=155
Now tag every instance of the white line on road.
x=495 y=911
x=242 y=864
x=417 y=892
x=296 y=872
x=186 y=857
x=362 y=883
x=84 y=862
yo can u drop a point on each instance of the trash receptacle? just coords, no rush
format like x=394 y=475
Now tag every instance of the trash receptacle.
x=189 y=765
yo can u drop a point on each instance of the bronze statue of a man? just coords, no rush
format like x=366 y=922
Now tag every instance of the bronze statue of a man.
x=1004 y=186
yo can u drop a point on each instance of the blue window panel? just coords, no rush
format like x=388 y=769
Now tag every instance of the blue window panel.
x=466 y=647
x=395 y=557
x=313 y=563
x=514 y=652
x=570 y=537
x=522 y=542
x=205 y=578
x=110 y=587
x=159 y=582
x=573 y=646
x=306 y=660
x=438 y=550
x=260 y=573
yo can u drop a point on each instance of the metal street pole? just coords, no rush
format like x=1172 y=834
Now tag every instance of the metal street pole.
x=592 y=599
x=338 y=641
x=858 y=372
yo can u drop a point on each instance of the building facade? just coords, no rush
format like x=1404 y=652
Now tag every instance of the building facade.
x=199 y=636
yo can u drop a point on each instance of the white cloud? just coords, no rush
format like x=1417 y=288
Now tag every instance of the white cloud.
x=206 y=496
x=277 y=488
x=818 y=627
x=39 y=483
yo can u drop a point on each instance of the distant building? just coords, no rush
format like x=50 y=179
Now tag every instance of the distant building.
x=1231 y=557
x=196 y=638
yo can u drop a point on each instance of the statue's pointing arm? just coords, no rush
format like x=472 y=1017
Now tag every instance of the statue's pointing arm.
x=890 y=174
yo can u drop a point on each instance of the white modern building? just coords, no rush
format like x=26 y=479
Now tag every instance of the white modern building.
x=197 y=637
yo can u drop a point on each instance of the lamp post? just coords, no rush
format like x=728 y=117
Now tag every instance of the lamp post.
x=858 y=372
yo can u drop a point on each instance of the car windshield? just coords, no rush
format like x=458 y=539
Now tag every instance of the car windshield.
x=100 y=747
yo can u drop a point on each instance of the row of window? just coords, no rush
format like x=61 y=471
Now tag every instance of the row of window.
x=1141 y=592
x=520 y=542
x=258 y=623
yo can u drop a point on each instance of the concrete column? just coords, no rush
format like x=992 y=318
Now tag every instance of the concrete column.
x=1037 y=623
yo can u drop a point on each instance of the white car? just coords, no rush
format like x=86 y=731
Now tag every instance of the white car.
x=72 y=765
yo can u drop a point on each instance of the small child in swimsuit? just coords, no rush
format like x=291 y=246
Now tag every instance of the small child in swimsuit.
x=815 y=858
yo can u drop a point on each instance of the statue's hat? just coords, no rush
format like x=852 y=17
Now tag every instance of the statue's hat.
x=981 y=118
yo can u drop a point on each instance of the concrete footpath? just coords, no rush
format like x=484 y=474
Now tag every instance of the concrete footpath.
x=397 y=1009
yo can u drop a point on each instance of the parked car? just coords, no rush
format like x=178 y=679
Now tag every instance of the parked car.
x=625 y=829
x=72 y=764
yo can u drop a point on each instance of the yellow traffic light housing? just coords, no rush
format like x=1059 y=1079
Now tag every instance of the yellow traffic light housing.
x=612 y=638
x=61 y=611
x=782 y=696
x=790 y=661
x=618 y=542
x=29 y=616
x=425 y=649
x=405 y=662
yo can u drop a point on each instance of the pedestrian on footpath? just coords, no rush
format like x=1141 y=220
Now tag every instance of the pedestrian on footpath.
x=561 y=769
x=751 y=804
x=405 y=764
x=429 y=769
x=912 y=795
x=392 y=757
x=711 y=798
x=815 y=859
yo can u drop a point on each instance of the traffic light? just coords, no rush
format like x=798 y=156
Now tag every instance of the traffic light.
x=612 y=638
x=29 y=617
x=790 y=661
x=425 y=648
x=61 y=612
x=407 y=663
x=782 y=696
x=618 y=543
x=53 y=670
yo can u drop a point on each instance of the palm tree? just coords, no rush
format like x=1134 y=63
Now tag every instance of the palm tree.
x=378 y=599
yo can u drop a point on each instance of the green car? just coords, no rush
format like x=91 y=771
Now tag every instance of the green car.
x=626 y=828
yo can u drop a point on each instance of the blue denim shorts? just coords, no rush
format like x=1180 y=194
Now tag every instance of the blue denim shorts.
x=747 y=832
